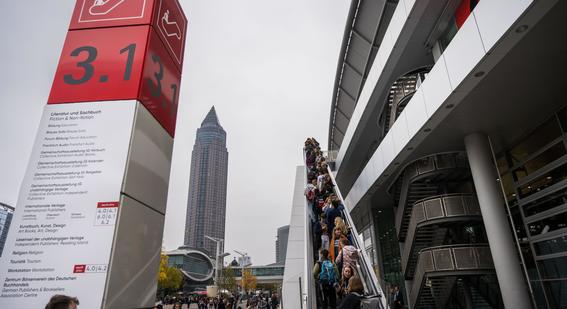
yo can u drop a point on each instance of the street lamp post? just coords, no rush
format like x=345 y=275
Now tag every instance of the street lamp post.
x=218 y=257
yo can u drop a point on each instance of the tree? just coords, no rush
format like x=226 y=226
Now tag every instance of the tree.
x=227 y=280
x=249 y=281
x=170 y=278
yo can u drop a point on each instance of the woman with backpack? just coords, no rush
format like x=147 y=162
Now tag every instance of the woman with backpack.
x=325 y=273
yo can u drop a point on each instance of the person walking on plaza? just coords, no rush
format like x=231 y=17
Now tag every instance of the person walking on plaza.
x=325 y=273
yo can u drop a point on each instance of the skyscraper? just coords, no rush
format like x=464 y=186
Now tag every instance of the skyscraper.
x=281 y=244
x=206 y=209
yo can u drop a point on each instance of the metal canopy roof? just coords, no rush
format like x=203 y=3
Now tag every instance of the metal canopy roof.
x=365 y=27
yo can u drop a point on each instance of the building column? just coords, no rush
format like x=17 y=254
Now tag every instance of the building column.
x=515 y=292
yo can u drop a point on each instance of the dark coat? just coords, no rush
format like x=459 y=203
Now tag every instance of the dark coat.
x=351 y=301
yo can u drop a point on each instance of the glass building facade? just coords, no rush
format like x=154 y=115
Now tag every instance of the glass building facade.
x=206 y=209
x=533 y=174
x=261 y=271
x=6 y=213
x=196 y=266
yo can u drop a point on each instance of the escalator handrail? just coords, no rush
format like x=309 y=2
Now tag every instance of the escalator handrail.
x=375 y=289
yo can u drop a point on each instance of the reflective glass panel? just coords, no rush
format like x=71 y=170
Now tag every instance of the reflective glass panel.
x=544 y=181
x=540 y=137
x=554 y=268
x=548 y=224
x=548 y=156
x=546 y=203
x=550 y=246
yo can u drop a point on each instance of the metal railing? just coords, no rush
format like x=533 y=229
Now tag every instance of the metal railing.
x=464 y=259
x=416 y=170
x=436 y=208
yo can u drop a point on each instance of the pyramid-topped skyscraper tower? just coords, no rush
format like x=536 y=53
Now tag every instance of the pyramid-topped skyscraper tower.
x=206 y=209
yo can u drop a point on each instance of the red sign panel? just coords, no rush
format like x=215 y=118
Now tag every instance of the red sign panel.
x=171 y=25
x=79 y=269
x=100 y=64
x=118 y=64
x=110 y=13
x=160 y=84
x=107 y=204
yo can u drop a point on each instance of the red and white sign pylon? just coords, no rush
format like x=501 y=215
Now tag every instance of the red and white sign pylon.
x=89 y=218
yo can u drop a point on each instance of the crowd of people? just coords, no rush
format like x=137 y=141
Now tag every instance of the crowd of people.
x=336 y=269
x=242 y=302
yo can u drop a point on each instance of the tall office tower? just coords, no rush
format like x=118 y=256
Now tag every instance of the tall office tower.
x=206 y=209
x=281 y=244
x=6 y=213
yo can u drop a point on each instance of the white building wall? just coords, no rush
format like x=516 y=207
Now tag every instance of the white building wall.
x=486 y=36
x=295 y=263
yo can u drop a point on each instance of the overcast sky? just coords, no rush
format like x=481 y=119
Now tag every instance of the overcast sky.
x=268 y=67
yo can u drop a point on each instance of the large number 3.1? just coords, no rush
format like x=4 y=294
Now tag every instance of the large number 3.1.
x=88 y=68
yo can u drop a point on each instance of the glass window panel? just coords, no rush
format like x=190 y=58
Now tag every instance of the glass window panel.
x=448 y=34
x=550 y=246
x=563 y=118
x=540 y=137
x=508 y=185
x=545 y=203
x=548 y=224
x=502 y=164
x=557 y=293
x=518 y=224
x=544 y=181
x=554 y=268
x=548 y=156
x=539 y=296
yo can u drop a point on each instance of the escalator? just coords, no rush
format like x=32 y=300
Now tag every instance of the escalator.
x=374 y=296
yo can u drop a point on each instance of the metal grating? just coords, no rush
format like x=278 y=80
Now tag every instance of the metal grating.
x=454 y=205
x=443 y=259
x=465 y=258
x=445 y=161
x=426 y=165
x=418 y=212
x=426 y=261
x=472 y=206
x=433 y=208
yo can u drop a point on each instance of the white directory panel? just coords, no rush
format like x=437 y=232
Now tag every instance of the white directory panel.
x=63 y=227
